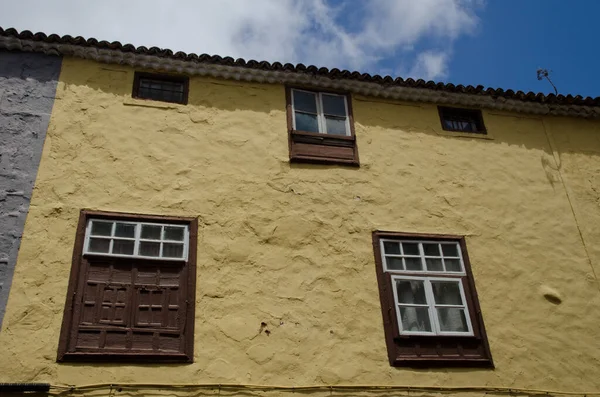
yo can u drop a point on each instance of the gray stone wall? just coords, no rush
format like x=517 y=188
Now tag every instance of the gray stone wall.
x=27 y=89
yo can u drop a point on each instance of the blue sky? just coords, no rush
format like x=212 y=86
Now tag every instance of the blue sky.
x=497 y=43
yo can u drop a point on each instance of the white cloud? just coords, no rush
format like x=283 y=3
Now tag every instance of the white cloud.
x=430 y=65
x=357 y=34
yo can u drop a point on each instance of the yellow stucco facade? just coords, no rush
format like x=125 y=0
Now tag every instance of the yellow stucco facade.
x=290 y=245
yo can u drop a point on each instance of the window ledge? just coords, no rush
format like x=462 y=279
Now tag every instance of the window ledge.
x=149 y=103
x=309 y=147
x=458 y=134
x=147 y=358
x=429 y=362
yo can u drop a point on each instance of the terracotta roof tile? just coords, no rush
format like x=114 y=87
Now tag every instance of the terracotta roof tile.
x=311 y=69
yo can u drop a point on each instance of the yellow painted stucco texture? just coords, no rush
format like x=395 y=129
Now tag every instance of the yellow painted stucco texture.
x=290 y=245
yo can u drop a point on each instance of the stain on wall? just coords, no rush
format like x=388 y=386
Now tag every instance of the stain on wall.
x=27 y=89
x=287 y=248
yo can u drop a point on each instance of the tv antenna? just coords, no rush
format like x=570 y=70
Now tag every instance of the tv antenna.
x=545 y=74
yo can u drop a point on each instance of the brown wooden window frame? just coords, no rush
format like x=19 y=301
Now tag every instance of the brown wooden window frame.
x=472 y=116
x=430 y=350
x=184 y=80
x=317 y=147
x=67 y=350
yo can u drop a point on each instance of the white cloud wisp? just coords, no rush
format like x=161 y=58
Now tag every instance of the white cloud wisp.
x=354 y=34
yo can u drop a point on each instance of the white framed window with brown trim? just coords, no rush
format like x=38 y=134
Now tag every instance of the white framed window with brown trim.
x=429 y=304
x=132 y=289
x=321 y=127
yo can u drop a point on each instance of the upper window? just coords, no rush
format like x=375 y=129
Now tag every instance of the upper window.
x=136 y=239
x=158 y=87
x=462 y=120
x=131 y=290
x=320 y=112
x=429 y=304
x=321 y=127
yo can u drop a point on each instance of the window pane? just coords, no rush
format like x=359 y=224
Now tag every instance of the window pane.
x=391 y=247
x=125 y=230
x=151 y=232
x=99 y=245
x=149 y=249
x=306 y=122
x=413 y=264
x=123 y=247
x=336 y=126
x=446 y=293
x=174 y=233
x=410 y=248
x=453 y=265
x=101 y=228
x=305 y=101
x=172 y=250
x=434 y=265
x=415 y=319
x=450 y=249
x=452 y=319
x=394 y=263
x=411 y=292
x=334 y=105
x=431 y=249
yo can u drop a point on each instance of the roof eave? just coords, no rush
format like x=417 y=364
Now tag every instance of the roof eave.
x=309 y=80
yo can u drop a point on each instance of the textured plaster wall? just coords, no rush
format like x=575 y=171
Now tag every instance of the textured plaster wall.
x=27 y=86
x=290 y=245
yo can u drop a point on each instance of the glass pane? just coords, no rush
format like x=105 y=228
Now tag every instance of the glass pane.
x=434 y=265
x=413 y=264
x=431 y=249
x=452 y=319
x=151 y=232
x=125 y=230
x=101 y=228
x=123 y=247
x=411 y=292
x=415 y=319
x=450 y=249
x=172 y=250
x=306 y=122
x=99 y=245
x=334 y=105
x=410 y=248
x=391 y=248
x=394 y=263
x=174 y=233
x=446 y=293
x=452 y=265
x=305 y=101
x=149 y=249
x=336 y=126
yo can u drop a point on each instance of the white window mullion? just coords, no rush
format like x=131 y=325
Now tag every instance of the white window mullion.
x=321 y=114
x=88 y=231
x=186 y=239
x=112 y=235
x=162 y=237
x=465 y=306
x=136 y=245
x=348 y=133
x=431 y=303
x=422 y=254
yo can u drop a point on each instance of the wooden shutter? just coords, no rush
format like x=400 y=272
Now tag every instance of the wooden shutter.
x=129 y=308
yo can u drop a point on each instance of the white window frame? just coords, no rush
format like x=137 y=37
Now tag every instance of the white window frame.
x=137 y=239
x=321 y=121
x=422 y=256
x=427 y=277
x=432 y=306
